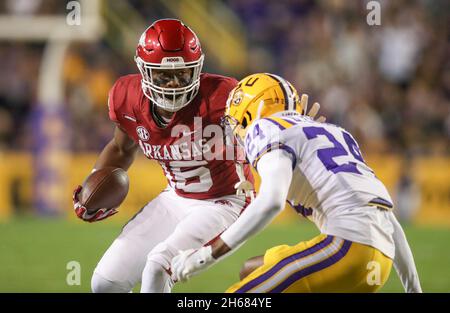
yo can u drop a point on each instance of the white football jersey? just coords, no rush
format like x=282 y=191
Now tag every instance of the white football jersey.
x=331 y=183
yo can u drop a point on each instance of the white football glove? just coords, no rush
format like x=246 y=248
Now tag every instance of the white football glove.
x=191 y=262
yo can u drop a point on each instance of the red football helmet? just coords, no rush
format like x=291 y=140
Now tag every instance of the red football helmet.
x=169 y=45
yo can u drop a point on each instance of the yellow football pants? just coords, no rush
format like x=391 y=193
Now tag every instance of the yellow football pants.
x=324 y=264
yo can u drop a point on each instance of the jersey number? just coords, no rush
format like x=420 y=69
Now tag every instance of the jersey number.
x=326 y=155
x=189 y=176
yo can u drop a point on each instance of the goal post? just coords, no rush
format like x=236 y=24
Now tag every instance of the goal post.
x=80 y=22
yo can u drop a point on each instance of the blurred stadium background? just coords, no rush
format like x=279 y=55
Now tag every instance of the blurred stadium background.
x=388 y=84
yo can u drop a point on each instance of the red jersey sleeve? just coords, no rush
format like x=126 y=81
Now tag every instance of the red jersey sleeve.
x=117 y=98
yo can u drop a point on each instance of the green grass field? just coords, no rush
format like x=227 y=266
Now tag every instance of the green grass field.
x=34 y=254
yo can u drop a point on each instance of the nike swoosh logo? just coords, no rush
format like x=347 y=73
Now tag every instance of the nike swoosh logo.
x=129 y=118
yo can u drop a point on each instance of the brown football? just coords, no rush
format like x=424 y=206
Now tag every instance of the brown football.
x=104 y=188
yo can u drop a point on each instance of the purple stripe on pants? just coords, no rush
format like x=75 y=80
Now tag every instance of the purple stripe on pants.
x=258 y=280
x=314 y=268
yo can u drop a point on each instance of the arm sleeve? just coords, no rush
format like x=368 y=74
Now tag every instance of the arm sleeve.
x=275 y=170
x=404 y=261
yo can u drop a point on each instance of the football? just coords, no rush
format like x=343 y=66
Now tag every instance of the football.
x=104 y=188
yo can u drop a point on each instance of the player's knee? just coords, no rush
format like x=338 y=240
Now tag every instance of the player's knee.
x=161 y=256
x=152 y=267
x=99 y=284
x=250 y=265
x=156 y=266
x=155 y=278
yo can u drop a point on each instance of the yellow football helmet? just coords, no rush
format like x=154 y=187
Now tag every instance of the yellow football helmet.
x=257 y=96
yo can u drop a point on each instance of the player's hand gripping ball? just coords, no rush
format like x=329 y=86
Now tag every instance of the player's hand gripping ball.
x=101 y=194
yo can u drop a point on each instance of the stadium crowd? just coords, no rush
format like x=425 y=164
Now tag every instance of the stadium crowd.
x=388 y=84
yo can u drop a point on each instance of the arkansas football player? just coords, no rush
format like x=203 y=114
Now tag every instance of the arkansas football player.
x=171 y=111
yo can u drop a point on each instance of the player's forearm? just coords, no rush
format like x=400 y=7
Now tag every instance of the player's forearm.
x=255 y=218
x=276 y=174
x=404 y=260
x=119 y=152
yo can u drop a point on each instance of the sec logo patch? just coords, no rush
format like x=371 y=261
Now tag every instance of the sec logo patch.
x=142 y=133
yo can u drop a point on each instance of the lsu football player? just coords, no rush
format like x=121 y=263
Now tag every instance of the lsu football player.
x=319 y=170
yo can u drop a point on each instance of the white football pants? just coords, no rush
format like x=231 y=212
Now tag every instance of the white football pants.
x=166 y=225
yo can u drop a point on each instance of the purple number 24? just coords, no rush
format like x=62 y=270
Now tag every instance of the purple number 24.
x=326 y=155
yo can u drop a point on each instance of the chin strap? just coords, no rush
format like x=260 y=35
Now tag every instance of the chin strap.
x=158 y=119
x=243 y=187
